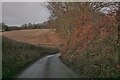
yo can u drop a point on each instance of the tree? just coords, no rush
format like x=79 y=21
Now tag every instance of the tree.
x=65 y=15
x=90 y=49
x=4 y=27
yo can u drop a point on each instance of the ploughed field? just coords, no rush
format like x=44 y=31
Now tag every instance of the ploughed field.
x=43 y=37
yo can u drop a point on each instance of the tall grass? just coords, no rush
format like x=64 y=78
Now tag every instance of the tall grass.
x=16 y=55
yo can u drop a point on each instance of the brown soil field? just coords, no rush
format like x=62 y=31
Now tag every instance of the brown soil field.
x=44 y=37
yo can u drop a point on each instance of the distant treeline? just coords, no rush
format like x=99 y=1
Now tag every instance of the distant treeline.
x=6 y=27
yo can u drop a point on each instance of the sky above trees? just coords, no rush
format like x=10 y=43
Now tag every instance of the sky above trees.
x=18 y=13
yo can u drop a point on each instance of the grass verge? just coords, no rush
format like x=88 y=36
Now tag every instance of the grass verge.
x=16 y=55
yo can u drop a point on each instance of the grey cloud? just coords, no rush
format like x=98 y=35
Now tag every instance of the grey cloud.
x=18 y=13
x=0 y=12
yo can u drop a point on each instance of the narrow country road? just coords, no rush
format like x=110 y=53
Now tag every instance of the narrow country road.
x=48 y=67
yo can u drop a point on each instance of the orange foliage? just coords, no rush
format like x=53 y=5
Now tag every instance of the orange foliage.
x=90 y=31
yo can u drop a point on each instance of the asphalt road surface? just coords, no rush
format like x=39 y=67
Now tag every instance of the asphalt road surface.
x=48 y=67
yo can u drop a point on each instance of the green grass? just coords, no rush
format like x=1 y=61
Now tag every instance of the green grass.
x=16 y=55
x=0 y=57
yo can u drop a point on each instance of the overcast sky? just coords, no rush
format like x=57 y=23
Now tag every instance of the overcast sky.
x=18 y=13
x=0 y=12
